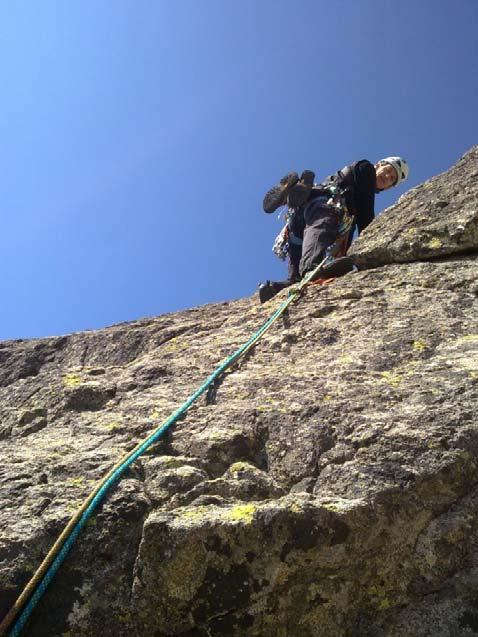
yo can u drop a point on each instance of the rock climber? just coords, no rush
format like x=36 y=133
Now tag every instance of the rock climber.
x=313 y=224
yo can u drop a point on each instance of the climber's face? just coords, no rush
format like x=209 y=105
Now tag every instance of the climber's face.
x=386 y=176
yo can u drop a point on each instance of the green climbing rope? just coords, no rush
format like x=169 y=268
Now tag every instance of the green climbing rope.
x=32 y=593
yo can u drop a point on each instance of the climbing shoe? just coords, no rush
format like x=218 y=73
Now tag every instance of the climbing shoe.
x=337 y=267
x=300 y=193
x=269 y=289
x=277 y=196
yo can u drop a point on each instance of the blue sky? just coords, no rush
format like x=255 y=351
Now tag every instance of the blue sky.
x=138 y=138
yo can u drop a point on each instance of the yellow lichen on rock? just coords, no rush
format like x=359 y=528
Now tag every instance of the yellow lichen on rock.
x=72 y=380
x=392 y=378
x=112 y=426
x=195 y=514
x=239 y=466
x=242 y=513
x=419 y=345
x=469 y=338
x=434 y=243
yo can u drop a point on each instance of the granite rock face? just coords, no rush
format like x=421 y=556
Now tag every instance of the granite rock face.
x=328 y=484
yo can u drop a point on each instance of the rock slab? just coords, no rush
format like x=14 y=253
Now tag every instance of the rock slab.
x=327 y=486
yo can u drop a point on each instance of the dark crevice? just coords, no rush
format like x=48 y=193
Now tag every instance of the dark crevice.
x=442 y=258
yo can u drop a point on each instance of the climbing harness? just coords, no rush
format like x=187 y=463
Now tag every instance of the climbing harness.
x=334 y=199
x=31 y=595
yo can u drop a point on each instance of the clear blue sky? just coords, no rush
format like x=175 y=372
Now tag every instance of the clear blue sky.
x=138 y=137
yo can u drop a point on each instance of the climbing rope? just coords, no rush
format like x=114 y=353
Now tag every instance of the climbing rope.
x=33 y=591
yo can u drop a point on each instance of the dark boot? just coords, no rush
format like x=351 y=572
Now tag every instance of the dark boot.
x=277 y=196
x=269 y=289
x=299 y=194
x=337 y=267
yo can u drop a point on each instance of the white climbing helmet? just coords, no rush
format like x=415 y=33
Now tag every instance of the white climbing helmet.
x=400 y=166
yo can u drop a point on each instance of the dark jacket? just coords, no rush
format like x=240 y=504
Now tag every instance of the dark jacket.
x=359 y=181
